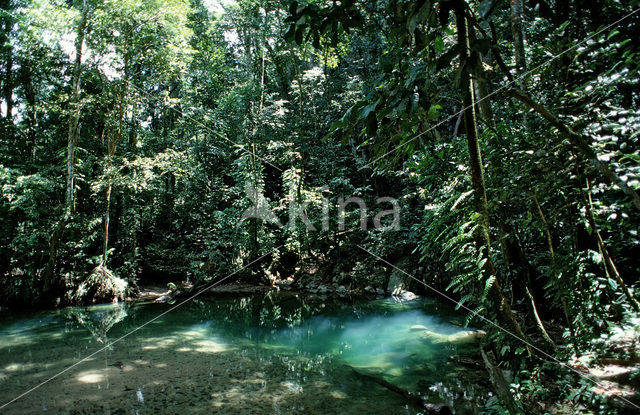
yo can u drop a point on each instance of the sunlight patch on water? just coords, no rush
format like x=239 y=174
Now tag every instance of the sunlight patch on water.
x=210 y=346
x=155 y=343
x=90 y=377
x=13 y=368
x=338 y=394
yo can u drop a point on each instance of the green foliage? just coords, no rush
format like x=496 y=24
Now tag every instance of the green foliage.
x=183 y=112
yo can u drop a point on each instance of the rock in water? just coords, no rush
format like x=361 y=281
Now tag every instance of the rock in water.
x=463 y=337
x=404 y=295
x=163 y=299
x=418 y=327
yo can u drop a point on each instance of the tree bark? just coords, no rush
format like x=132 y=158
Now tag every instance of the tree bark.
x=481 y=88
x=105 y=247
x=554 y=272
x=74 y=105
x=541 y=328
x=26 y=79
x=499 y=382
x=518 y=35
x=608 y=261
x=483 y=240
x=50 y=284
x=8 y=84
x=7 y=53
x=112 y=144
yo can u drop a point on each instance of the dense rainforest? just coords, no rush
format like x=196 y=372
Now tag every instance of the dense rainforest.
x=487 y=151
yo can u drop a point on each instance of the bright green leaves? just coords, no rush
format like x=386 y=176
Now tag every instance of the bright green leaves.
x=438 y=44
x=434 y=112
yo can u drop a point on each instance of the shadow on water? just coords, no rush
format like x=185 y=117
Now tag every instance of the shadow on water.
x=261 y=353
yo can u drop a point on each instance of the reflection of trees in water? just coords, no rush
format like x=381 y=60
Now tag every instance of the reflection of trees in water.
x=99 y=321
x=270 y=310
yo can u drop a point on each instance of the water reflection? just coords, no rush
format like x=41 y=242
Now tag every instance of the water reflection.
x=98 y=320
x=274 y=353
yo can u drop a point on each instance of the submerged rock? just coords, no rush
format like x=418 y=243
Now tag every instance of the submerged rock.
x=461 y=337
x=418 y=327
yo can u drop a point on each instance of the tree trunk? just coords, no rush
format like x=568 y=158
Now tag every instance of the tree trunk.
x=50 y=283
x=518 y=36
x=608 y=261
x=483 y=241
x=7 y=52
x=74 y=106
x=539 y=323
x=499 y=382
x=8 y=84
x=105 y=247
x=554 y=271
x=481 y=88
x=26 y=79
x=112 y=144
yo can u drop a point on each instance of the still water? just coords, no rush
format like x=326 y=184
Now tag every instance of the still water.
x=273 y=353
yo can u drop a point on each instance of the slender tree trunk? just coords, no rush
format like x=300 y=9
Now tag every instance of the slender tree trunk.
x=481 y=85
x=52 y=286
x=112 y=144
x=133 y=148
x=608 y=261
x=8 y=84
x=539 y=323
x=481 y=88
x=554 y=271
x=263 y=58
x=499 y=382
x=7 y=51
x=74 y=105
x=483 y=241
x=133 y=125
x=518 y=35
x=517 y=30
x=105 y=247
x=26 y=79
x=300 y=88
